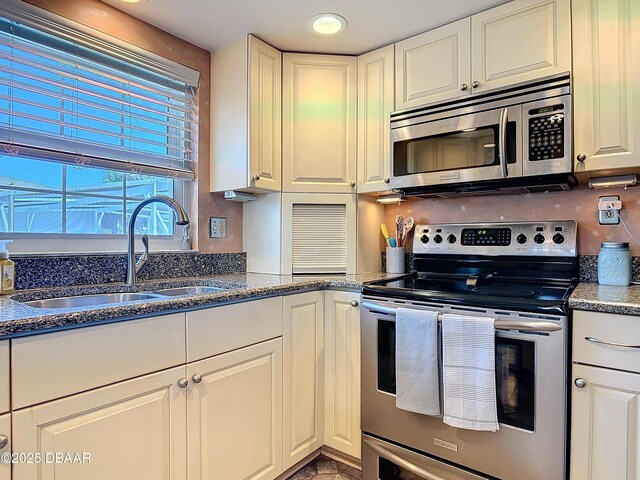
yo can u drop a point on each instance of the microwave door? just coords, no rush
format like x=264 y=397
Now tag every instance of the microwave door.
x=459 y=149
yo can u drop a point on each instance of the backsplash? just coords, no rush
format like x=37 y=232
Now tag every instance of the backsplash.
x=34 y=271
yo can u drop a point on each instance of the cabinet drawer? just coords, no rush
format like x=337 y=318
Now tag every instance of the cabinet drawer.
x=54 y=365
x=4 y=376
x=222 y=329
x=605 y=327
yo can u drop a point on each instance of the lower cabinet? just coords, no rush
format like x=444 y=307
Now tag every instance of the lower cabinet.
x=235 y=414
x=131 y=430
x=342 y=372
x=5 y=445
x=303 y=379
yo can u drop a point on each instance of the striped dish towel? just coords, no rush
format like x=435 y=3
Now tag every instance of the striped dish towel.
x=469 y=378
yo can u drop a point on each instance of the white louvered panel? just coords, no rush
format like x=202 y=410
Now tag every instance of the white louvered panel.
x=319 y=238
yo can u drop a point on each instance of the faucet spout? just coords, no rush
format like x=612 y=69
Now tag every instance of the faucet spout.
x=133 y=267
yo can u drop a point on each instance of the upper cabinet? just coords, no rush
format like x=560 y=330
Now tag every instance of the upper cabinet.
x=319 y=123
x=606 y=78
x=516 y=42
x=375 y=104
x=246 y=127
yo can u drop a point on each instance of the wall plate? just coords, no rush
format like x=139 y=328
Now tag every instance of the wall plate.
x=609 y=216
x=217 y=227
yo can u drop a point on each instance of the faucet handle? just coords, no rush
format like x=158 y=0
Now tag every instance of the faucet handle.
x=142 y=261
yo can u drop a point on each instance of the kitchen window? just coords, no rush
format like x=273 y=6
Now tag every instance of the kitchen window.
x=88 y=129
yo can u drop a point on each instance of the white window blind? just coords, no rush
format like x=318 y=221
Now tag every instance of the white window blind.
x=319 y=238
x=62 y=100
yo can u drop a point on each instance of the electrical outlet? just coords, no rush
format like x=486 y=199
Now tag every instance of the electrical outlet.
x=609 y=210
x=217 y=227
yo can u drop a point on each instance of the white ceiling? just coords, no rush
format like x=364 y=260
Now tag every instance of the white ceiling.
x=283 y=23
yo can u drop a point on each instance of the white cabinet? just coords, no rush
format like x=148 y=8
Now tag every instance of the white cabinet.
x=433 y=66
x=375 y=104
x=5 y=431
x=342 y=372
x=319 y=123
x=520 y=41
x=246 y=127
x=4 y=376
x=606 y=80
x=517 y=42
x=131 y=430
x=235 y=414
x=303 y=376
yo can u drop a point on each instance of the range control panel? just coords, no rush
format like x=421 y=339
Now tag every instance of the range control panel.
x=557 y=238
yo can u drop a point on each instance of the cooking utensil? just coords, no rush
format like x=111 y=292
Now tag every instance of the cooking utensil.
x=399 y=228
x=393 y=243
x=408 y=225
x=385 y=232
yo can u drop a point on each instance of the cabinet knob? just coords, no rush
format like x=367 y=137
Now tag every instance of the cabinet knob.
x=255 y=178
x=475 y=84
x=354 y=303
x=463 y=86
x=580 y=382
x=183 y=382
x=4 y=441
x=196 y=378
x=581 y=157
x=386 y=180
x=353 y=184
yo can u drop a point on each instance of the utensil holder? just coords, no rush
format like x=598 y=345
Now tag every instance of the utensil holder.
x=395 y=260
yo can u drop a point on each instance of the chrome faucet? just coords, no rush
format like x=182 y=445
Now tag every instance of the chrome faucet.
x=133 y=266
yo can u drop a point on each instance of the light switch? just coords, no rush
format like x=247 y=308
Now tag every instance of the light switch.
x=217 y=227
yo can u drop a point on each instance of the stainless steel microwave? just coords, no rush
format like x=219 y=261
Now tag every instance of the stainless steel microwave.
x=518 y=137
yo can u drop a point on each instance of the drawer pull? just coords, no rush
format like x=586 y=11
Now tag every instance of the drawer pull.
x=612 y=344
x=4 y=441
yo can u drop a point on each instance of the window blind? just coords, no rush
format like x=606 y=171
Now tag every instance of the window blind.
x=63 y=101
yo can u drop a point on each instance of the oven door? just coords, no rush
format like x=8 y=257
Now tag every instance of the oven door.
x=465 y=148
x=531 y=399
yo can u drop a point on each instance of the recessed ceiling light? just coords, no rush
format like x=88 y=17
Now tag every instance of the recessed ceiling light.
x=327 y=24
x=133 y=1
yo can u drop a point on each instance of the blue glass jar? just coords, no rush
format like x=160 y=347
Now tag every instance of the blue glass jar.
x=614 y=264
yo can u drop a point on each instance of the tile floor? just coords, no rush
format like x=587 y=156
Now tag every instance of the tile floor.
x=325 y=468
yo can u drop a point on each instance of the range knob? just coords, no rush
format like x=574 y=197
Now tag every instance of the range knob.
x=424 y=239
x=451 y=238
x=539 y=238
x=522 y=238
x=558 y=238
x=437 y=239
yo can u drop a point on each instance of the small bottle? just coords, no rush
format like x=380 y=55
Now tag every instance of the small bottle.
x=614 y=264
x=7 y=270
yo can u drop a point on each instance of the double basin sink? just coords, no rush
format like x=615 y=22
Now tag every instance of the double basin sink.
x=110 y=298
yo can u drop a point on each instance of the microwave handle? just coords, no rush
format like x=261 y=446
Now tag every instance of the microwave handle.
x=401 y=462
x=502 y=142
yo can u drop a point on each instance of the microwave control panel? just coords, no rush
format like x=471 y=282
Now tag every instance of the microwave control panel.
x=546 y=132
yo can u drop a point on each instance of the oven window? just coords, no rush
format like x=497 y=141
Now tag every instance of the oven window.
x=390 y=471
x=515 y=382
x=452 y=151
x=387 y=356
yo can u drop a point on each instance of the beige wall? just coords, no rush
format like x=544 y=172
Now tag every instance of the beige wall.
x=112 y=21
x=579 y=205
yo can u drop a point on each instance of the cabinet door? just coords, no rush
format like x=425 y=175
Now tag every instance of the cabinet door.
x=433 y=66
x=5 y=431
x=4 y=376
x=235 y=414
x=319 y=123
x=375 y=104
x=520 y=41
x=606 y=79
x=265 y=106
x=605 y=425
x=303 y=378
x=342 y=372
x=131 y=430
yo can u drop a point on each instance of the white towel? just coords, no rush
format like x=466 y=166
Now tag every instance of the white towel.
x=468 y=372
x=417 y=388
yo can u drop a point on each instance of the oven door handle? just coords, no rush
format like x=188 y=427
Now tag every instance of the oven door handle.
x=502 y=142
x=532 y=326
x=401 y=462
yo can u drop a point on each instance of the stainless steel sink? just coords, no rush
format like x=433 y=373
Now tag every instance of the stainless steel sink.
x=193 y=290
x=90 y=300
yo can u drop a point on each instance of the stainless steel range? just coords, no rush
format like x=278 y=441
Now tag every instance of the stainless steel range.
x=520 y=274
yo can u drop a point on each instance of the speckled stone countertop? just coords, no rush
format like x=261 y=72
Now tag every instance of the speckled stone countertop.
x=605 y=298
x=17 y=319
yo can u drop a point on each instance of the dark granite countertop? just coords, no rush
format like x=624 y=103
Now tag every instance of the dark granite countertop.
x=606 y=299
x=17 y=319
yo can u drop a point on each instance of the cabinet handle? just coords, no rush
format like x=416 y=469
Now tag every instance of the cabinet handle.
x=183 y=382
x=581 y=157
x=463 y=86
x=612 y=344
x=386 y=180
x=354 y=303
x=255 y=178
x=580 y=382
x=196 y=378
x=475 y=84
x=4 y=441
x=353 y=184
